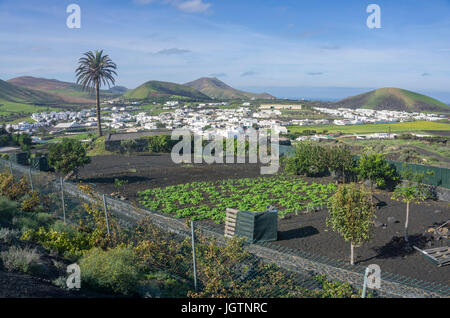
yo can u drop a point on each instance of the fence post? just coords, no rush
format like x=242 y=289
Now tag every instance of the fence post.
x=193 y=255
x=366 y=276
x=62 y=199
x=31 y=179
x=106 y=213
x=10 y=167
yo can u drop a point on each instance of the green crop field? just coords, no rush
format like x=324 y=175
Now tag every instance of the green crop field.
x=8 y=108
x=209 y=200
x=416 y=126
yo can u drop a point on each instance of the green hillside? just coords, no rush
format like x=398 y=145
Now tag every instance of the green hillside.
x=157 y=89
x=217 y=89
x=21 y=95
x=68 y=92
x=394 y=99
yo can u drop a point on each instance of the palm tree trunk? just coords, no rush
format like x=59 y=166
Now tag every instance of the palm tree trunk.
x=406 y=222
x=99 y=121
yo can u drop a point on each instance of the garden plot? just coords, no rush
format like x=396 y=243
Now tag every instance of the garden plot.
x=209 y=200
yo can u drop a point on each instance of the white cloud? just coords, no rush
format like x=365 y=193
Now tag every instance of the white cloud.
x=191 y=6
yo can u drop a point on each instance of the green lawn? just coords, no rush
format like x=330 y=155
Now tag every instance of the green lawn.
x=416 y=126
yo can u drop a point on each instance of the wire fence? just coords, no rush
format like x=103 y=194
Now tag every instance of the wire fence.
x=439 y=177
x=200 y=255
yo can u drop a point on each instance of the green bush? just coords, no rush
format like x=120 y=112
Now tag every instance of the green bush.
x=309 y=159
x=129 y=147
x=377 y=170
x=160 y=144
x=67 y=156
x=332 y=289
x=26 y=260
x=8 y=209
x=22 y=140
x=61 y=242
x=32 y=220
x=312 y=159
x=114 y=270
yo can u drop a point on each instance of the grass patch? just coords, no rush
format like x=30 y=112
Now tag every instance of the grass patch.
x=97 y=148
x=415 y=126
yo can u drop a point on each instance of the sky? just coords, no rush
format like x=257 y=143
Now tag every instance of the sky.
x=290 y=48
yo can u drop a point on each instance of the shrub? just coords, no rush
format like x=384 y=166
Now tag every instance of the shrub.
x=7 y=210
x=340 y=161
x=31 y=202
x=8 y=236
x=32 y=221
x=309 y=159
x=334 y=289
x=12 y=189
x=22 y=140
x=377 y=170
x=160 y=144
x=61 y=242
x=67 y=156
x=18 y=259
x=129 y=147
x=114 y=270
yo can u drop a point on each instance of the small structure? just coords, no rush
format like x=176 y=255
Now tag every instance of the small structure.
x=255 y=226
x=40 y=163
x=20 y=158
x=439 y=256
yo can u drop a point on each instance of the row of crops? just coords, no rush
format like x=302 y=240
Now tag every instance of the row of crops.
x=209 y=200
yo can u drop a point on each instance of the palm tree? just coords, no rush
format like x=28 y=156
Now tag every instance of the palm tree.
x=95 y=69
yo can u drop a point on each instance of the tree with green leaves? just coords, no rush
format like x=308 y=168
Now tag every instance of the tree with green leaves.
x=309 y=159
x=340 y=161
x=95 y=69
x=67 y=156
x=352 y=215
x=412 y=190
x=377 y=170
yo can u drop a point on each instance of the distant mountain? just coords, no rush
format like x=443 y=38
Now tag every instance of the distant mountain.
x=68 y=92
x=157 y=89
x=118 y=90
x=217 y=89
x=23 y=95
x=393 y=99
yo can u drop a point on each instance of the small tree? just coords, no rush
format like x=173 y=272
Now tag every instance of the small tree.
x=352 y=215
x=340 y=160
x=376 y=169
x=309 y=159
x=67 y=156
x=411 y=191
x=119 y=184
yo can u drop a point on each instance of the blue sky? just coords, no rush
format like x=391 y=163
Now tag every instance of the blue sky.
x=290 y=48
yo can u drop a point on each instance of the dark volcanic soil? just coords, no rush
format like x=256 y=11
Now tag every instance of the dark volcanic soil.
x=152 y=171
x=303 y=232
x=308 y=233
